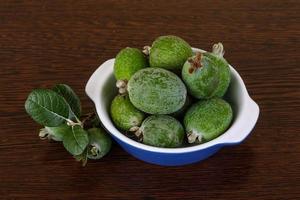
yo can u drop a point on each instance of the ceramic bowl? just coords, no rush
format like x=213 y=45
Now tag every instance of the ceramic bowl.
x=101 y=90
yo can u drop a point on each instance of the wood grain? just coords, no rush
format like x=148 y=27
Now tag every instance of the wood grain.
x=48 y=42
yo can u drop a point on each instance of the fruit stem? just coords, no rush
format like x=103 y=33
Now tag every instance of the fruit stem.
x=134 y=129
x=44 y=134
x=146 y=50
x=192 y=137
x=87 y=117
x=195 y=62
x=122 y=86
x=137 y=132
x=71 y=123
x=218 y=49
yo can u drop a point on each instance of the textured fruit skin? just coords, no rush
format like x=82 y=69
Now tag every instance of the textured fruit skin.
x=162 y=131
x=169 y=52
x=156 y=91
x=208 y=118
x=101 y=140
x=124 y=114
x=127 y=62
x=210 y=80
x=180 y=113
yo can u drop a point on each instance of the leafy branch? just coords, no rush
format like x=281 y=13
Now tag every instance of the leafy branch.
x=59 y=111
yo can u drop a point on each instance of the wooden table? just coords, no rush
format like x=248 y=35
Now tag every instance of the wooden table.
x=47 y=42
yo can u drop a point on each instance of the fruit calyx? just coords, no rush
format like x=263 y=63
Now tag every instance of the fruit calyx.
x=122 y=86
x=195 y=62
x=137 y=132
x=95 y=149
x=194 y=137
x=218 y=49
x=146 y=50
x=44 y=134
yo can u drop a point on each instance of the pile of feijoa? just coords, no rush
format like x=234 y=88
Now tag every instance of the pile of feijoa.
x=169 y=95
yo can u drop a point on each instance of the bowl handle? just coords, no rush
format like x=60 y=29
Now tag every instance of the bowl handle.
x=248 y=123
x=93 y=85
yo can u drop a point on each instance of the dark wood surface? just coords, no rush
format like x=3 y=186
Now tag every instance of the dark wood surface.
x=48 y=42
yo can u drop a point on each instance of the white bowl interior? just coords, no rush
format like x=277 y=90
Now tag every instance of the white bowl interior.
x=102 y=92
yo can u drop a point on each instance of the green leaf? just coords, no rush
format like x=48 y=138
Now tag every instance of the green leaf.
x=55 y=133
x=71 y=98
x=76 y=140
x=47 y=107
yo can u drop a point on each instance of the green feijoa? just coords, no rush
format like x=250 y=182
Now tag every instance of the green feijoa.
x=124 y=114
x=207 y=120
x=207 y=75
x=169 y=52
x=128 y=61
x=156 y=91
x=99 y=143
x=55 y=133
x=162 y=131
